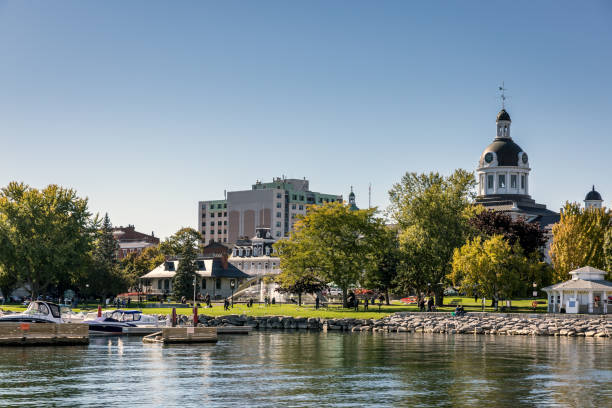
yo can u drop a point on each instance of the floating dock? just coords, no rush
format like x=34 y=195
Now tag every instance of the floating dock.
x=176 y=335
x=43 y=334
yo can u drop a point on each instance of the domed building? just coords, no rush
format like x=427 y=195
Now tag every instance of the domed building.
x=503 y=178
x=593 y=199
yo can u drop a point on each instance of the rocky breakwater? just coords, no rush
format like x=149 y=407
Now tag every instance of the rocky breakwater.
x=475 y=323
x=499 y=325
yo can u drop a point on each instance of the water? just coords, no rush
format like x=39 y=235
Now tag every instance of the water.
x=301 y=369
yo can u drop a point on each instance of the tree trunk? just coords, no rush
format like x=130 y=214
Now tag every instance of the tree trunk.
x=344 y=295
x=439 y=297
x=387 y=295
x=300 y=299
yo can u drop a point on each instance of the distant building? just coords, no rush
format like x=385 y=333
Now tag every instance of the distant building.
x=215 y=277
x=273 y=205
x=131 y=241
x=255 y=256
x=593 y=199
x=503 y=178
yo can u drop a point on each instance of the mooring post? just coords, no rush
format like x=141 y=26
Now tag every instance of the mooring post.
x=195 y=316
x=174 y=317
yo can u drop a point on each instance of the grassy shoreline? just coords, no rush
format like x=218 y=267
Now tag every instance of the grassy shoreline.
x=333 y=311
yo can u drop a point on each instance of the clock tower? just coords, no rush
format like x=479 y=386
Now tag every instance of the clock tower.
x=503 y=177
x=503 y=169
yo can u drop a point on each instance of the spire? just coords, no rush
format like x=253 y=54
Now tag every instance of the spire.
x=352 y=204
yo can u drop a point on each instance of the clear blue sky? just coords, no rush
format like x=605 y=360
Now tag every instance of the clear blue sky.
x=147 y=107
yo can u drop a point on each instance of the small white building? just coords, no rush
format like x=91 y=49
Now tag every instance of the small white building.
x=215 y=277
x=586 y=292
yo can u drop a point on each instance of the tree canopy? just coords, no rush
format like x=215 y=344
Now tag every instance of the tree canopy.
x=578 y=239
x=529 y=235
x=332 y=243
x=45 y=235
x=135 y=265
x=432 y=213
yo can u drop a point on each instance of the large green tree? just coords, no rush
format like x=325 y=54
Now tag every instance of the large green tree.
x=386 y=255
x=490 y=267
x=332 y=243
x=578 y=239
x=45 y=235
x=432 y=213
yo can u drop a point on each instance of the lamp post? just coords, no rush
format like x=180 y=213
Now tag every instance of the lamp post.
x=232 y=285
x=195 y=280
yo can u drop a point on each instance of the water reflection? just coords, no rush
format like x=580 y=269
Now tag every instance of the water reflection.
x=306 y=369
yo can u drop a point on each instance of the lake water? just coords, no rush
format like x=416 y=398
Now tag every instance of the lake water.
x=302 y=369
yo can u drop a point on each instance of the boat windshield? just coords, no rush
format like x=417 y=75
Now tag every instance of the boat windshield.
x=37 y=308
x=125 y=317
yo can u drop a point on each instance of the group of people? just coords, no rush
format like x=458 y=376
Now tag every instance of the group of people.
x=353 y=302
x=459 y=310
x=431 y=307
x=268 y=301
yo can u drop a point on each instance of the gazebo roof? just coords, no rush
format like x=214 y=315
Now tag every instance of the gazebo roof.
x=581 y=284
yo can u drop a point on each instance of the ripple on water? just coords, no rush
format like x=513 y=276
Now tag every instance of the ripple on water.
x=276 y=369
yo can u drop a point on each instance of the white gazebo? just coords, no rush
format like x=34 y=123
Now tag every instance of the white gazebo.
x=586 y=292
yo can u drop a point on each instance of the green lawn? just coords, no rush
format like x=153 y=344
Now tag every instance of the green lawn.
x=333 y=311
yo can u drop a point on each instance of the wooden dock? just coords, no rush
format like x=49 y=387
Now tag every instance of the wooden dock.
x=176 y=335
x=43 y=334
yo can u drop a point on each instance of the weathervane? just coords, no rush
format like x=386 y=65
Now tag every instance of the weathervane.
x=503 y=95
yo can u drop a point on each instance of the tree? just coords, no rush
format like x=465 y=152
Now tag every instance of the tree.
x=608 y=251
x=578 y=239
x=8 y=282
x=489 y=267
x=184 y=245
x=432 y=213
x=46 y=235
x=332 y=243
x=299 y=285
x=135 y=265
x=529 y=235
x=386 y=246
x=102 y=276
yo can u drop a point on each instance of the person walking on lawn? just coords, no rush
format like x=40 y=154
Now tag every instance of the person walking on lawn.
x=430 y=304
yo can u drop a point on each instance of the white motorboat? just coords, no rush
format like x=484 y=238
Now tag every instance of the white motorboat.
x=115 y=321
x=38 y=311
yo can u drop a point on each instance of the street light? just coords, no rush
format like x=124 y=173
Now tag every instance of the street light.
x=194 y=290
x=232 y=285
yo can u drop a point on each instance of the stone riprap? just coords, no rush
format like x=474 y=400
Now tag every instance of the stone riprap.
x=472 y=323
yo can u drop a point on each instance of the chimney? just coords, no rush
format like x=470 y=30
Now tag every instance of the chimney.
x=224 y=261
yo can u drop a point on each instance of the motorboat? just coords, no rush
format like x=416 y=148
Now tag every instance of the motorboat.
x=38 y=311
x=69 y=316
x=114 y=322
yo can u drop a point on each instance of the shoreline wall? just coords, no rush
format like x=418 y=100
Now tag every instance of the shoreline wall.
x=472 y=323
